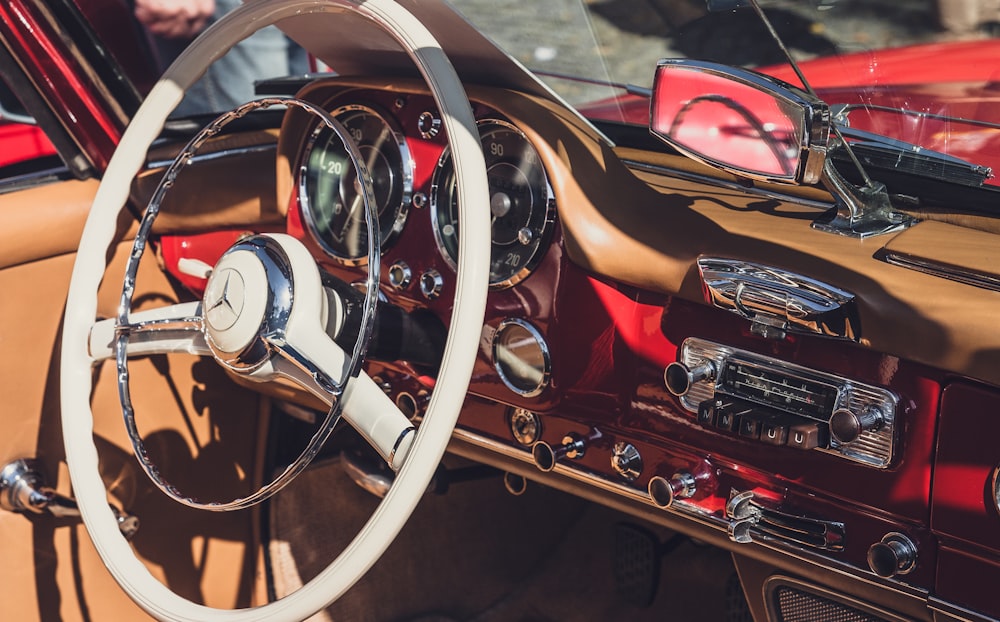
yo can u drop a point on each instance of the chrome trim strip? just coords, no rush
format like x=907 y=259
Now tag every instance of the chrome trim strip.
x=666 y=171
x=687 y=510
x=216 y=155
x=964 y=276
x=955 y=612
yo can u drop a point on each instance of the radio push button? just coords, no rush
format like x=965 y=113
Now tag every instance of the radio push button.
x=708 y=410
x=807 y=435
x=727 y=418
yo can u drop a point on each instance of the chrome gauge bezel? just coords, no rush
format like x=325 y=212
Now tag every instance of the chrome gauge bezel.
x=442 y=175
x=387 y=234
x=544 y=353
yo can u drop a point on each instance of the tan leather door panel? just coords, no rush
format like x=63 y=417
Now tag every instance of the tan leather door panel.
x=195 y=419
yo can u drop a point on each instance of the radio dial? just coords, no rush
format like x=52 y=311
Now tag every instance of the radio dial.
x=847 y=426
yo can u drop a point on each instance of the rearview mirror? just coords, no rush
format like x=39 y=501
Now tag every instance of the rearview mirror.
x=749 y=124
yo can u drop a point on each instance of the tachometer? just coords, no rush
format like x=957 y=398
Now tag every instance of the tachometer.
x=328 y=189
x=521 y=204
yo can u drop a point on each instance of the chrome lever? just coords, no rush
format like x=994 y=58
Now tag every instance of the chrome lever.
x=23 y=489
x=743 y=515
x=749 y=519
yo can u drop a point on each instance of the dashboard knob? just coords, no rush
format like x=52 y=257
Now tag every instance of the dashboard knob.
x=679 y=378
x=847 y=426
x=400 y=275
x=894 y=555
x=626 y=461
x=665 y=491
x=431 y=284
x=546 y=456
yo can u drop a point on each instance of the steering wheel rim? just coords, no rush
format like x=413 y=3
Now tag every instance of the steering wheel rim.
x=460 y=350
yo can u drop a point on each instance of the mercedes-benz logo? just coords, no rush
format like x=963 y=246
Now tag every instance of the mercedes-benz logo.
x=224 y=299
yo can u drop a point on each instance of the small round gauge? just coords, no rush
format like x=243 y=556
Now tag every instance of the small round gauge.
x=521 y=204
x=329 y=186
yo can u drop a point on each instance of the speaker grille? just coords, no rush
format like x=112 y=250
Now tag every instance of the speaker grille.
x=794 y=605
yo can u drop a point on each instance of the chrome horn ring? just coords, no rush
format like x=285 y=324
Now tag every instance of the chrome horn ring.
x=244 y=325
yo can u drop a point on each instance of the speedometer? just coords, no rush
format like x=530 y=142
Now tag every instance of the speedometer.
x=328 y=183
x=521 y=204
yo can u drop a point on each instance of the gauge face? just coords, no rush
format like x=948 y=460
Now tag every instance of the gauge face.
x=520 y=204
x=330 y=190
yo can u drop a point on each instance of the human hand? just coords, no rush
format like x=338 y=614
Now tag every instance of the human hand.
x=174 y=19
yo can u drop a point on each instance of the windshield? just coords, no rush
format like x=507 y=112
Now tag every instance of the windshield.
x=912 y=70
x=903 y=70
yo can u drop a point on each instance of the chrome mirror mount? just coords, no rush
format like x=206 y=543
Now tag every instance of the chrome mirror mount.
x=762 y=129
x=860 y=211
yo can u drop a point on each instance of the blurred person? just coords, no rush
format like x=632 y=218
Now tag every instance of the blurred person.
x=229 y=81
x=964 y=20
x=174 y=19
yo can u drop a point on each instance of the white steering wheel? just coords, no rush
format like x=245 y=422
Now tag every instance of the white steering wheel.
x=311 y=356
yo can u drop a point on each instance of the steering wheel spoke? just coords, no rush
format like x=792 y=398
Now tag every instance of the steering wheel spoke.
x=364 y=405
x=164 y=330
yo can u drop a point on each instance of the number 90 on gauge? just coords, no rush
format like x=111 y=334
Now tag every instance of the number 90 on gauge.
x=521 y=204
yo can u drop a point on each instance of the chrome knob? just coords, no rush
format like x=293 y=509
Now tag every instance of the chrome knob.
x=400 y=275
x=665 y=491
x=626 y=461
x=679 y=378
x=428 y=124
x=894 y=555
x=525 y=426
x=431 y=283
x=847 y=426
x=546 y=456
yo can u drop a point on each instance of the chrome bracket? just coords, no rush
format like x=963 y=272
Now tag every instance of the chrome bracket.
x=860 y=211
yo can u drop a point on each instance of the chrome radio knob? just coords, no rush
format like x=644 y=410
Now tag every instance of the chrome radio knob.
x=847 y=426
x=665 y=491
x=679 y=378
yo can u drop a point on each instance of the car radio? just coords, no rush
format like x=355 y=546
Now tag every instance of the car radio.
x=779 y=403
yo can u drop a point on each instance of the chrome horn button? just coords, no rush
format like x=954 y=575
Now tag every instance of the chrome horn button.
x=224 y=299
x=236 y=302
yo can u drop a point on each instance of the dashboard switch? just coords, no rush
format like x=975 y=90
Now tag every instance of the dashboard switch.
x=546 y=456
x=679 y=378
x=894 y=555
x=431 y=284
x=626 y=461
x=665 y=491
x=400 y=275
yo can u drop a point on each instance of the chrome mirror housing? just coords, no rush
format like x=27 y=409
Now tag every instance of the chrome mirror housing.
x=743 y=122
x=760 y=128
